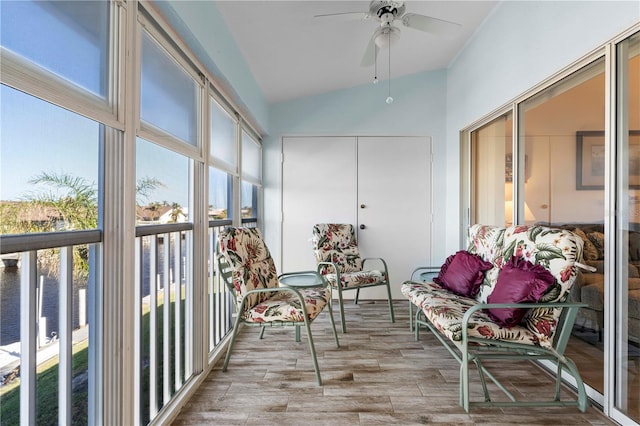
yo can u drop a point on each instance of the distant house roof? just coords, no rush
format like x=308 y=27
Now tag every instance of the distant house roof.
x=151 y=213
x=159 y=214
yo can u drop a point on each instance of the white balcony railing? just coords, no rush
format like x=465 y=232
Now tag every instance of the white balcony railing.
x=164 y=330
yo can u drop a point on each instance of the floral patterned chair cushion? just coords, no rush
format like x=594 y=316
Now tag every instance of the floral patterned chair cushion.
x=253 y=268
x=357 y=279
x=285 y=306
x=336 y=243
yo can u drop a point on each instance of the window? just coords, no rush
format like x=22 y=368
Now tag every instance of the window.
x=224 y=131
x=492 y=171
x=65 y=159
x=168 y=94
x=220 y=191
x=249 y=201
x=250 y=158
x=49 y=174
x=250 y=176
x=72 y=38
x=162 y=185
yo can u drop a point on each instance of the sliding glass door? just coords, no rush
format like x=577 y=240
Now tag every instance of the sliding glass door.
x=568 y=156
x=626 y=360
x=561 y=146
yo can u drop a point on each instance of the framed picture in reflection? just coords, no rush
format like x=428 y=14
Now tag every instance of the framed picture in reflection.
x=590 y=161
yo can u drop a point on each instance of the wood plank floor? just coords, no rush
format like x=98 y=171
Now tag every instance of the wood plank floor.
x=379 y=375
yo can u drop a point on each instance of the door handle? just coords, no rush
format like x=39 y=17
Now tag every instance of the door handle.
x=362 y=226
x=362 y=206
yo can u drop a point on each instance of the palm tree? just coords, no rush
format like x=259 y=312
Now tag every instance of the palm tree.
x=69 y=203
x=73 y=198
x=145 y=186
x=176 y=212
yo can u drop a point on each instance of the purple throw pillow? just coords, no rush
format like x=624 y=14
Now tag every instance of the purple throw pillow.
x=462 y=273
x=519 y=281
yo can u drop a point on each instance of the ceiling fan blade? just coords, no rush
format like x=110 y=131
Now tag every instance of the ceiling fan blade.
x=344 y=17
x=369 y=57
x=429 y=24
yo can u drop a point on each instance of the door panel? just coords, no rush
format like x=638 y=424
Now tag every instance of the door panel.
x=319 y=185
x=394 y=186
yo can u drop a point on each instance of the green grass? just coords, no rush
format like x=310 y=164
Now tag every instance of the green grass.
x=47 y=390
x=47 y=378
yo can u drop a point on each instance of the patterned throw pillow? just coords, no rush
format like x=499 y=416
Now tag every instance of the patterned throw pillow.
x=589 y=251
x=597 y=239
x=462 y=273
x=519 y=281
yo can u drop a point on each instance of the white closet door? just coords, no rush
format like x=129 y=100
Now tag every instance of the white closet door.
x=394 y=206
x=318 y=185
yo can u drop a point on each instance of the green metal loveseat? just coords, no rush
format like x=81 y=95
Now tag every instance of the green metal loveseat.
x=518 y=279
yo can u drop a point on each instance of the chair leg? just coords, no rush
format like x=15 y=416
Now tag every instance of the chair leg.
x=234 y=334
x=464 y=381
x=583 y=401
x=410 y=316
x=393 y=318
x=313 y=350
x=416 y=326
x=355 y=300
x=340 y=302
x=333 y=323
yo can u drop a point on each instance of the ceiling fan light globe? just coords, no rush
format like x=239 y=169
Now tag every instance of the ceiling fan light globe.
x=387 y=36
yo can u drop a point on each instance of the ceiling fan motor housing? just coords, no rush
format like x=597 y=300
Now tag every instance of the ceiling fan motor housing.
x=380 y=8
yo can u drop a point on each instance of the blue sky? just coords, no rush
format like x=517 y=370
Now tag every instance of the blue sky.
x=70 y=40
x=37 y=137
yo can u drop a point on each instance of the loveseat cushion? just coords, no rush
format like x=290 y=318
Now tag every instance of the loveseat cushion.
x=557 y=250
x=445 y=311
x=462 y=273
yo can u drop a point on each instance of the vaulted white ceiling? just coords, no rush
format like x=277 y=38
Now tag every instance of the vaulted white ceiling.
x=292 y=54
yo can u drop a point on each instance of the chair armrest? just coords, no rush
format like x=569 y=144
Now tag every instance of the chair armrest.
x=332 y=265
x=379 y=259
x=321 y=279
x=570 y=306
x=430 y=269
x=311 y=272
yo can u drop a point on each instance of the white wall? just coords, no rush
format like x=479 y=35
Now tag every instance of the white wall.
x=519 y=45
x=417 y=110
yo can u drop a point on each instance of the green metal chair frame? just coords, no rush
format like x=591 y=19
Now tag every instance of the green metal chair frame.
x=226 y=271
x=385 y=282
x=473 y=349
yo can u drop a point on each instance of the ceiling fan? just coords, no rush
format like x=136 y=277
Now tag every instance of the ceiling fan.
x=387 y=12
